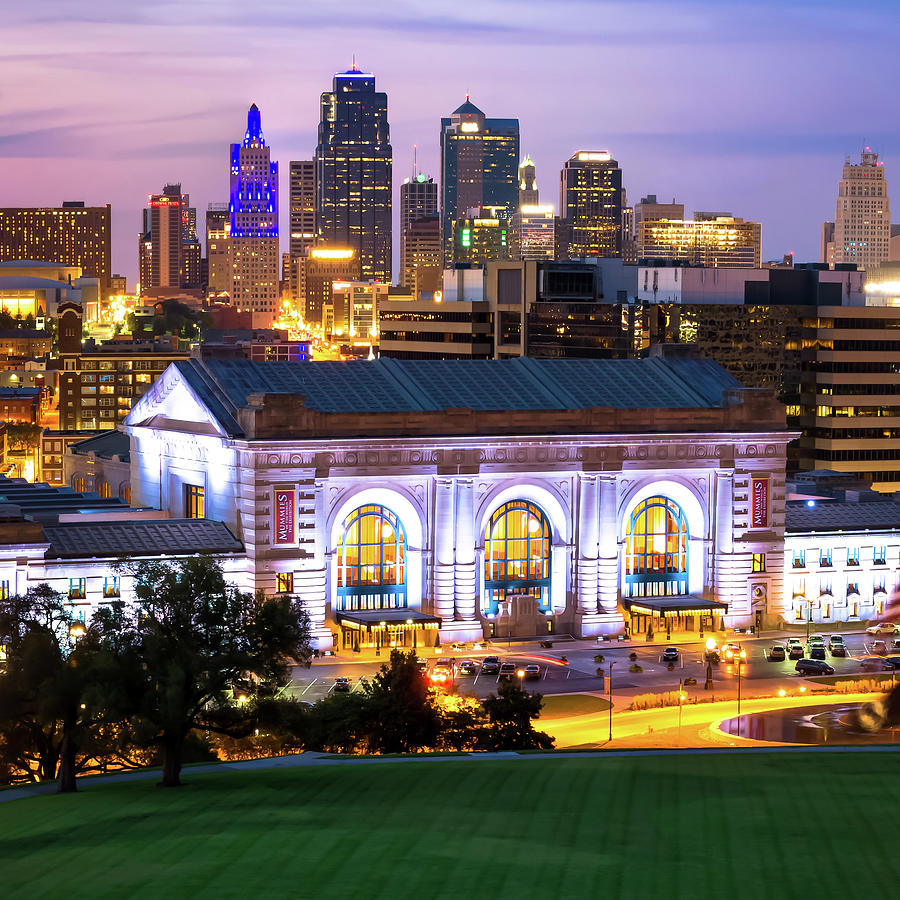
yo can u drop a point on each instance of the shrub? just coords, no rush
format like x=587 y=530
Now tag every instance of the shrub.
x=632 y=656
x=862 y=686
x=634 y=667
x=599 y=658
x=655 y=701
x=600 y=672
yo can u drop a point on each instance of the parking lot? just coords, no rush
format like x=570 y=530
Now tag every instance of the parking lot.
x=572 y=669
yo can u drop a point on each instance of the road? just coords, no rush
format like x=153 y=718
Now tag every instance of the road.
x=580 y=673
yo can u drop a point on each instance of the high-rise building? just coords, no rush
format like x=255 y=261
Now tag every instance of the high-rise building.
x=862 y=217
x=480 y=236
x=422 y=256
x=534 y=232
x=353 y=172
x=168 y=248
x=528 y=189
x=253 y=206
x=316 y=274
x=649 y=209
x=590 y=200
x=219 y=275
x=73 y=235
x=418 y=200
x=479 y=168
x=303 y=205
x=710 y=239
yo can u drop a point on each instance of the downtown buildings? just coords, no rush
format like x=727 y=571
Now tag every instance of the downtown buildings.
x=169 y=250
x=591 y=201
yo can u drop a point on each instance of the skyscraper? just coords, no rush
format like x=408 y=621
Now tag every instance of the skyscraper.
x=303 y=205
x=590 y=200
x=418 y=200
x=479 y=168
x=353 y=172
x=253 y=206
x=169 y=250
x=528 y=189
x=219 y=278
x=862 y=217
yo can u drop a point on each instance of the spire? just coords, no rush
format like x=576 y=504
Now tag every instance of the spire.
x=254 y=127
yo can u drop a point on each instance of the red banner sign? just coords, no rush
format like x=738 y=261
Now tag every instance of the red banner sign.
x=284 y=516
x=759 y=502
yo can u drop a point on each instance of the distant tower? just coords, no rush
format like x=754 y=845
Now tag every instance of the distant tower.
x=479 y=168
x=353 y=172
x=303 y=206
x=418 y=200
x=590 y=200
x=528 y=189
x=862 y=217
x=253 y=206
x=169 y=250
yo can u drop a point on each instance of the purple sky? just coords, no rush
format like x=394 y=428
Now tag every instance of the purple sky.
x=747 y=107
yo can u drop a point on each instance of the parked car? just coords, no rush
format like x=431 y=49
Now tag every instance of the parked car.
x=816 y=640
x=813 y=667
x=882 y=628
x=879 y=647
x=795 y=649
x=532 y=672
x=421 y=664
x=342 y=684
x=443 y=671
x=490 y=665
x=467 y=667
x=670 y=654
x=734 y=653
x=837 y=646
x=776 y=653
x=892 y=662
x=872 y=664
x=817 y=651
x=507 y=671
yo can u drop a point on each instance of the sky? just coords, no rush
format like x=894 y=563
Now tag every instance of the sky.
x=746 y=107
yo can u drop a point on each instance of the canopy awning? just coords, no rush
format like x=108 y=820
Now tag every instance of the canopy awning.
x=673 y=606
x=368 y=618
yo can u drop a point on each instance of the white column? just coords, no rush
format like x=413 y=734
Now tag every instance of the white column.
x=443 y=541
x=726 y=580
x=464 y=576
x=310 y=582
x=588 y=537
x=608 y=558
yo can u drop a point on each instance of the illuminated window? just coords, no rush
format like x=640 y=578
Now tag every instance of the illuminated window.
x=194 y=502
x=111 y=586
x=759 y=562
x=799 y=559
x=77 y=588
x=284 y=582
x=517 y=555
x=825 y=558
x=372 y=560
x=798 y=613
x=79 y=484
x=104 y=490
x=657 y=556
x=880 y=557
x=4 y=590
x=825 y=586
x=853 y=557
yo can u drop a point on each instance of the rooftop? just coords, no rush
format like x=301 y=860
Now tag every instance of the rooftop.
x=106 y=445
x=839 y=515
x=178 y=537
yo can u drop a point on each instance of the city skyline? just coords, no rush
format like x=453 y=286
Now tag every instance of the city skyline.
x=741 y=143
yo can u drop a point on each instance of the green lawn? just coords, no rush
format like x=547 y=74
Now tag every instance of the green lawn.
x=560 y=705
x=732 y=825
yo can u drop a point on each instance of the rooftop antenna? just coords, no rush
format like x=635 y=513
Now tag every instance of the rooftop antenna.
x=415 y=162
x=353 y=66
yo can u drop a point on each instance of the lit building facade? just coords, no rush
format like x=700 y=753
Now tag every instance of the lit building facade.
x=574 y=509
x=418 y=200
x=422 y=256
x=534 y=232
x=479 y=169
x=253 y=207
x=219 y=275
x=317 y=272
x=862 y=218
x=303 y=206
x=354 y=162
x=480 y=236
x=353 y=310
x=169 y=250
x=591 y=202
x=716 y=241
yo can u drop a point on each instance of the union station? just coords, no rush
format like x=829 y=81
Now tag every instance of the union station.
x=408 y=502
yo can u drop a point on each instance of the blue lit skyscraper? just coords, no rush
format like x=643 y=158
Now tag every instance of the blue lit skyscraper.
x=253 y=206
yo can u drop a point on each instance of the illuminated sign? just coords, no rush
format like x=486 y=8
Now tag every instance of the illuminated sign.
x=594 y=157
x=536 y=210
x=164 y=202
x=323 y=253
x=284 y=516
x=468 y=126
x=759 y=502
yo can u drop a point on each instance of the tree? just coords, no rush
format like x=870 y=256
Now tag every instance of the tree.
x=339 y=724
x=463 y=723
x=192 y=635
x=401 y=706
x=510 y=712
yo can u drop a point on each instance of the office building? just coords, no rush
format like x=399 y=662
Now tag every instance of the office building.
x=70 y=235
x=712 y=240
x=528 y=189
x=591 y=201
x=353 y=172
x=418 y=200
x=303 y=205
x=861 y=232
x=479 y=169
x=482 y=235
x=649 y=209
x=422 y=256
x=534 y=232
x=317 y=272
x=434 y=328
x=219 y=275
x=352 y=312
x=169 y=248
x=253 y=206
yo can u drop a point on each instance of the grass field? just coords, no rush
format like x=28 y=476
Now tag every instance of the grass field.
x=694 y=826
x=556 y=706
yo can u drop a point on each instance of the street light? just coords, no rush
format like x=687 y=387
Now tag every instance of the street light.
x=680 y=699
x=740 y=661
x=610 y=700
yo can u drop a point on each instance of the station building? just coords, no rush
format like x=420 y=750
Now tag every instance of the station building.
x=409 y=500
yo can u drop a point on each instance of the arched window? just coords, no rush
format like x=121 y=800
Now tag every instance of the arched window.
x=103 y=489
x=656 y=563
x=517 y=555
x=79 y=483
x=371 y=560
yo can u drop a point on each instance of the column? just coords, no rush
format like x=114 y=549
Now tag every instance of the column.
x=588 y=537
x=725 y=578
x=608 y=557
x=464 y=577
x=442 y=542
x=310 y=579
